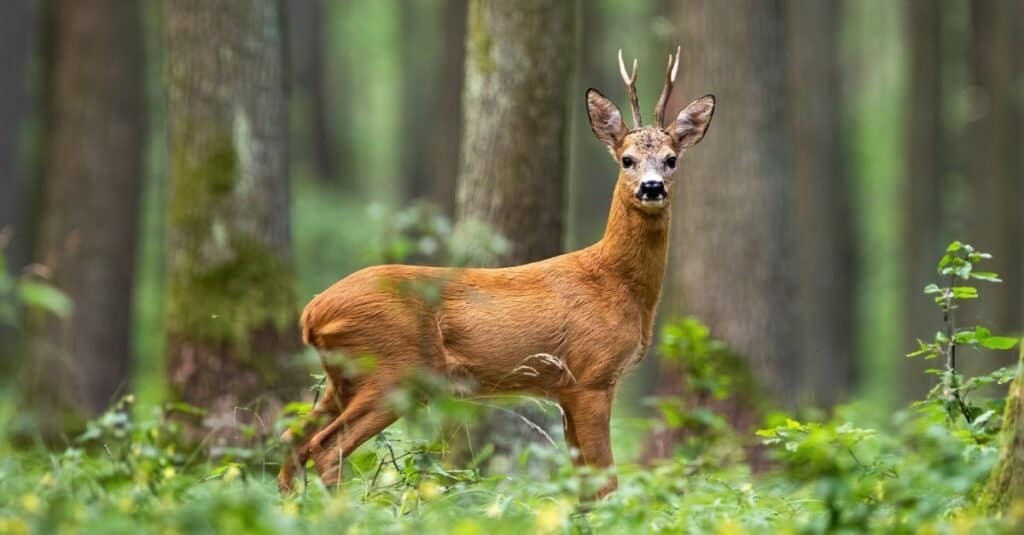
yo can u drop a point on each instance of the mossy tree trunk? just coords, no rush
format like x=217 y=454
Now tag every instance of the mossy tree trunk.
x=513 y=163
x=1006 y=484
x=231 y=318
x=94 y=124
x=732 y=237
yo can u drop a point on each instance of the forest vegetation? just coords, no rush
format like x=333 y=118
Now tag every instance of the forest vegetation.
x=837 y=344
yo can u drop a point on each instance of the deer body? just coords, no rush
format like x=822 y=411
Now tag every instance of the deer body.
x=566 y=328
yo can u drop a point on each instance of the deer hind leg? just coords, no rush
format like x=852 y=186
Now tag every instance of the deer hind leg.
x=590 y=414
x=350 y=436
x=329 y=407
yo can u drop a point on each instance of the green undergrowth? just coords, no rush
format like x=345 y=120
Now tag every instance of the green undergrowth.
x=911 y=474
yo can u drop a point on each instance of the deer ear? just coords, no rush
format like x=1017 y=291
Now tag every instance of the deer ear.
x=605 y=119
x=692 y=122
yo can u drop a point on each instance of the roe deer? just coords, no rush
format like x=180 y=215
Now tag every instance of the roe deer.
x=578 y=320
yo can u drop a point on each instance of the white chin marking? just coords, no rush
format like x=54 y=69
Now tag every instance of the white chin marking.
x=655 y=204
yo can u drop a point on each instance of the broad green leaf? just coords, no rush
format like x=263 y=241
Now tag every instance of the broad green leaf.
x=44 y=296
x=999 y=342
x=986 y=276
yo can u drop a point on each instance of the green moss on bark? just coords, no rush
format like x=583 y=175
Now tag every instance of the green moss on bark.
x=1006 y=484
x=480 y=42
x=225 y=281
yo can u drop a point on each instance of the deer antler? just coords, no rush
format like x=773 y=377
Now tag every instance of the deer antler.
x=634 y=102
x=666 y=92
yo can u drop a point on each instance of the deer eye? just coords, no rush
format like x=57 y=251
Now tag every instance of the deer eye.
x=670 y=162
x=628 y=162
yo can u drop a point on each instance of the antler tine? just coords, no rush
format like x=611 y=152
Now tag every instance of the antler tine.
x=634 y=102
x=670 y=78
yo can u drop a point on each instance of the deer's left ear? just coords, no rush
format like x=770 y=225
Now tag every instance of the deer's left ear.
x=692 y=122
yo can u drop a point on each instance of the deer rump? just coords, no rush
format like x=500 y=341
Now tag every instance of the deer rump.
x=538 y=328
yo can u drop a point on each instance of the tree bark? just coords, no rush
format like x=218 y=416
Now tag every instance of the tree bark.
x=513 y=163
x=90 y=178
x=926 y=163
x=17 y=37
x=432 y=100
x=996 y=165
x=307 y=21
x=231 y=298
x=1006 y=484
x=822 y=213
x=732 y=240
x=733 y=235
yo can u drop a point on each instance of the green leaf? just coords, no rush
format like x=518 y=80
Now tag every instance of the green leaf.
x=965 y=292
x=44 y=296
x=964 y=271
x=932 y=289
x=999 y=342
x=986 y=276
x=954 y=246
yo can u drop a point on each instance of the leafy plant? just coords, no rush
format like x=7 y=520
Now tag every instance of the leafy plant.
x=958 y=267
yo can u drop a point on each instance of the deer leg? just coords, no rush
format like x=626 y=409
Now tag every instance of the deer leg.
x=364 y=401
x=571 y=441
x=329 y=406
x=328 y=461
x=591 y=417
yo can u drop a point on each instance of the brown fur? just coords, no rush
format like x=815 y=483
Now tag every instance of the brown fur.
x=592 y=310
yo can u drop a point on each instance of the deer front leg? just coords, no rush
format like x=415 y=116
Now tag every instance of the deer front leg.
x=571 y=442
x=590 y=413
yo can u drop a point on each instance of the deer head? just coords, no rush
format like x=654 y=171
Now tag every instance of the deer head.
x=648 y=155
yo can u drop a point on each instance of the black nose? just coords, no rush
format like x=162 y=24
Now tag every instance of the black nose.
x=651 y=190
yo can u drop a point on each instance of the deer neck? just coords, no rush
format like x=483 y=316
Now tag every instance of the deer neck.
x=635 y=246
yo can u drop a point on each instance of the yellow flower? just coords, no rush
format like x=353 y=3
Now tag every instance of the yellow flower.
x=13 y=526
x=495 y=510
x=551 y=516
x=290 y=509
x=430 y=490
x=48 y=480
x=729 y=527
x=126 y=505
x=31 y=503
x=232 y=473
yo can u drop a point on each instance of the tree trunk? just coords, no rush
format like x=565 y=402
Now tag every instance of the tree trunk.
x=17 y=23
x=231 y=299
x=926 y=144
x=733 y=230
x=1006 y=484
x=434 y=163
x=996 y=165
x=17 y=37
x=513 y=149
x=822 y=213
x=90 y=179
x=307 y=21
x=513 y=163
x=732 y=237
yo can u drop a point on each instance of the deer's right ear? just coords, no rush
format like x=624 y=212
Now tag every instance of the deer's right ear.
x=605 y=119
